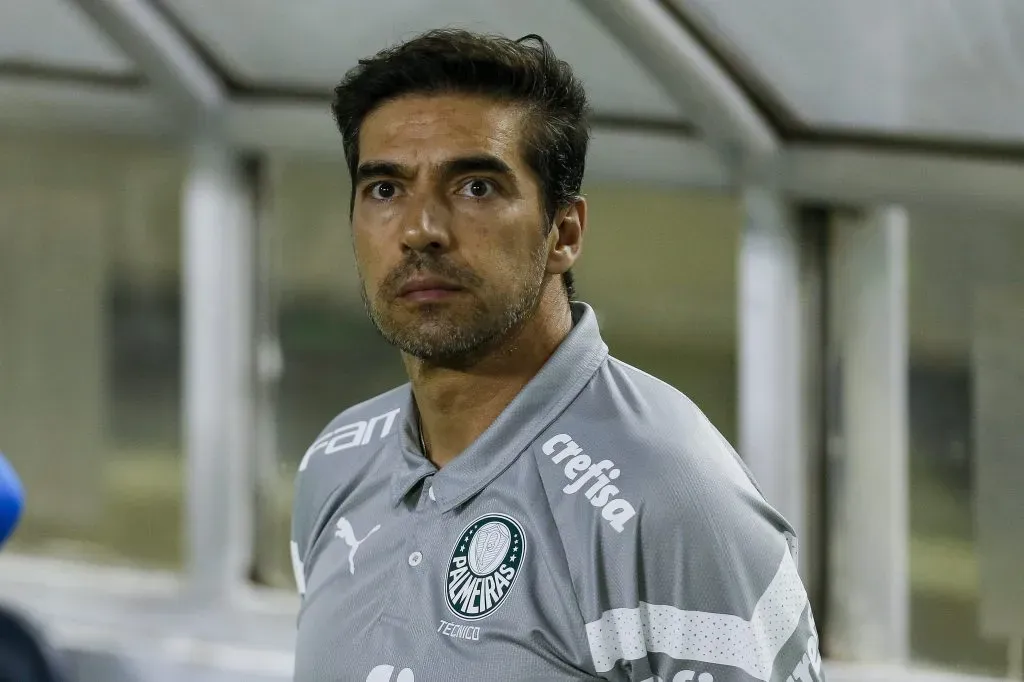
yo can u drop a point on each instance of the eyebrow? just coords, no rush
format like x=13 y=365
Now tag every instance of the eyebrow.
x=382 y=169
x=478 y=163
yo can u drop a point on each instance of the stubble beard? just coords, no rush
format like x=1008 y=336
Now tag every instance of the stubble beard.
x=458 y=337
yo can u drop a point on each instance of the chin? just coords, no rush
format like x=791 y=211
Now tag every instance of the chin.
x=448 y=346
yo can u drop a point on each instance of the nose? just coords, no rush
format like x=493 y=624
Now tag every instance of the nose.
x=426 y=225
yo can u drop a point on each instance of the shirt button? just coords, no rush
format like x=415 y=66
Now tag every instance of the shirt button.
x=415 y=558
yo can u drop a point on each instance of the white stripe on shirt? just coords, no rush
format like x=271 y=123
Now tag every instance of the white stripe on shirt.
x=298 y=569
x=750 y=645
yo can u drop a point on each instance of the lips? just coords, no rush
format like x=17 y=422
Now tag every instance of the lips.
x=427 y=287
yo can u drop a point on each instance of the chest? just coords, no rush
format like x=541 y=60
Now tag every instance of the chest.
x=482 y=592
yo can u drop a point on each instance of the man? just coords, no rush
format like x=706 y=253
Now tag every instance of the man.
x=526 y=507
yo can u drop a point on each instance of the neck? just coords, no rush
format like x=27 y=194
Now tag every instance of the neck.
x=457 y=405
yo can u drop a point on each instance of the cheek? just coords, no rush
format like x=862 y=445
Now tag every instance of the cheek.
x=370 y=228
x=509 y=239
x=360 y=244
x=501 y=256
x=369 y=257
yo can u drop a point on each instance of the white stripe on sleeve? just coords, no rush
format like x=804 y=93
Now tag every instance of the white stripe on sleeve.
x=750 y=645
x=298 y=568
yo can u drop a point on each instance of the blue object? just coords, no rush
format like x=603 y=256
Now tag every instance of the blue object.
x=12 y=499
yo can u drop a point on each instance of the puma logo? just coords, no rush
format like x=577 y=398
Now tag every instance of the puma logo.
x=346 y=533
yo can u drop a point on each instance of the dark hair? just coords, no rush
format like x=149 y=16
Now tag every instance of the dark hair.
x=556 y=134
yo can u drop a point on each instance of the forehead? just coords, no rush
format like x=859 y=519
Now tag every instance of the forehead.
x=430 y=128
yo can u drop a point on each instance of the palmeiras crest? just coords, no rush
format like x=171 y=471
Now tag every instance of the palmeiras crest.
x=484 y=566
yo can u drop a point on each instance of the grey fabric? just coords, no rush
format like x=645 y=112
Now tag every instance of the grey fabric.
x=601 y=528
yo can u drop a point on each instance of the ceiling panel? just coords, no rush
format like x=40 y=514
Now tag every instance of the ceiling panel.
x=55 y=34
x=310 y=44
x=946 y=68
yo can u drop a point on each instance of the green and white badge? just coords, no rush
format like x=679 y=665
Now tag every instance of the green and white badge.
x=484 y=566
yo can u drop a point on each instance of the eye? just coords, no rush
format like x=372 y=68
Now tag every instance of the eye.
x=383 y=190
x=477 y=188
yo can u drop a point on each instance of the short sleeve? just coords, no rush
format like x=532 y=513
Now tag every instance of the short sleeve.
x=705 y=588
x=311 y=488
x=303 y=519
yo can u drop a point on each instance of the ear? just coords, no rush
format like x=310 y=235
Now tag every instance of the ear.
x=565 y=241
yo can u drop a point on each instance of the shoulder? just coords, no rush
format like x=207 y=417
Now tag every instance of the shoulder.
x=676 y=500
x=672 y=462
x=690 y=553
x=349 y=438
x=360 y=426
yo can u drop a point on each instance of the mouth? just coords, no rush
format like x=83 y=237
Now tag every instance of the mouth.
x=427 y=288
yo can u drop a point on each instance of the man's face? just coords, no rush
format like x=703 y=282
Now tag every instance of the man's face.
x=448 y=225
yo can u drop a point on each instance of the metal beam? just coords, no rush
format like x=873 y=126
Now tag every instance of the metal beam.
x=816 y=173
x=217 y=232
x=866 y=175
x=776 y=357
x=167 y=61
x=217 y=286
x=869 y=599
x=688 y=74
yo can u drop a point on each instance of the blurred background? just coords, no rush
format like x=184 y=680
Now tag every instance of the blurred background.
x=807 y=215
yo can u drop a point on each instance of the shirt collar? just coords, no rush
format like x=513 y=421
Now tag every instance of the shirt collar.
x=546 y=396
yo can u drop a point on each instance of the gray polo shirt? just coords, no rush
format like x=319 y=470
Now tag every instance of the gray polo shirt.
x=600 y=528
